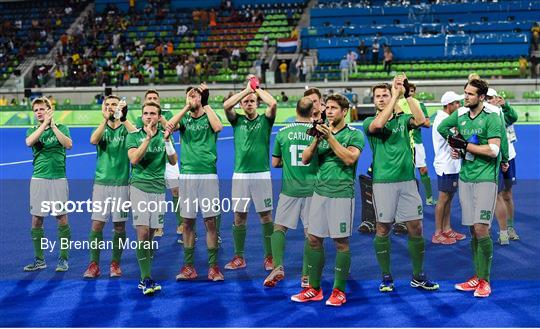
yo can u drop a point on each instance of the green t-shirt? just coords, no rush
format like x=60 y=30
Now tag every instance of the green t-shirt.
x=198 y=140
x=392 y=154
x=416 y=134
x=486 y=125
x=149 y=174
x=49 y=155
x=252 y=143
x=164 y=113
x=112 y=167
x=334 y=178
x=298 y=179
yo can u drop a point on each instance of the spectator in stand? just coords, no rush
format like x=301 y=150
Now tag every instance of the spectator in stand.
x=170 y=48
x=523 y=64
x=204 y=19
x=284 y=98
x=213 y=18
x=151 y=71
x=196 y=19
x=235 y=54
x=362 y=51
x=351 y=58
x=181 y=29
x=161 y=73
x=375 y=52
x=283 y=71
x=535 y=31
x=344 y=67
x=388 y=57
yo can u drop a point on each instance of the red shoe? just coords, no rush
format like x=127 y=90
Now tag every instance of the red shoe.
x=236 y=263
x=187 y=272
x=442 y=239
x=469 y=285
x=483 y=290
x=214 y=274
x=455 y=235
x=308 y=295
x=274 y=277
x=92 y=271
x=115 y=270
x=337 y=298
x=268 y=263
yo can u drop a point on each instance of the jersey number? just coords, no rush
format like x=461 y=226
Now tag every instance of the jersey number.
x=296 y=155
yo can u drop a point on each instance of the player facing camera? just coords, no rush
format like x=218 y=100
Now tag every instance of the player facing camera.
x=115 y=108
x=335 y=111
x=197 y=97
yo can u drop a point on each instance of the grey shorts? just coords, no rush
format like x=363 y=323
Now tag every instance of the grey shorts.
x=477 y=202
x=200 y=193
x=51 y=192
x=117 y=196
x=398 y=202
x=289 y=209
x=255 y=187
x=148 y=208
x=330 y=217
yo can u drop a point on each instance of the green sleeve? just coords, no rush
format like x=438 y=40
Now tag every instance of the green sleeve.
x=366 y=124
x=510 y=115
x=357 y=140
x=504 y=140
x=424 y=109
x=64 y=130
x=138 y=122
x=30 y=131
x=447 y=124
x=277 y=147
x=131 y=141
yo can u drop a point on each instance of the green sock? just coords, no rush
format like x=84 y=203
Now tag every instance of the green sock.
x=341 y=271
x=212 y=256
x=188 y=255
x=382 y=251
x=143 y=257
x=239 y=237
x=485 y=256
x=278 y=247
x=510 y=222
x=416 y=251
x=305 y=258
x=316 y=265
x=427 y=185
x=64 y=234
x=474 y=247
x=94 y=252
x=177 y=210
x=118 y=240
x=267 y=230
x=37 y=234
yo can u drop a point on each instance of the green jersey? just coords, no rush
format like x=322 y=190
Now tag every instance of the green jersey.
x=487 y=124
x=49 y=155
x=334 y=178
x=416 y=134
x=112 y=167
x=198 y=140
x=298 y=179
x=164 y=113
x=251 y=143
x=392 y=153
x=149 y=174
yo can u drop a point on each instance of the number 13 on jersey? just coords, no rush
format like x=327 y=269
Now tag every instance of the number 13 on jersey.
x=296 y=155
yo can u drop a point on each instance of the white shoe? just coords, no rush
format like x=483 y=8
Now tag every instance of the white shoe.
x=504 y=239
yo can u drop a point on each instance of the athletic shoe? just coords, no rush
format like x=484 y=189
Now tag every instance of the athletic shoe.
x=92 y=271
x=424 y=283
x=141 y=284
x=214 y=274
x=180 y=241
x=115 y=270
x=274 y=277
x=337 y=298
x=442 y=239
x=268 y=263
x=512 y=233
x=158 y=233
x=62 y=265
x=187 y=272
x=155 y=286
x=37 y=265
x=219 y=241
x=367 y=227
x=236 y=263
x=387 y=284
x=399 y=228
x=305 y=281
x=308 y=295
x=430 y=201
x=469 y=285
x=455 y=235
x=179 y=229
x=504 y=239
x=483 y=290
x=147 y=286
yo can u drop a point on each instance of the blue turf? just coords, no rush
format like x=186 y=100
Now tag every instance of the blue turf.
x=49 y=299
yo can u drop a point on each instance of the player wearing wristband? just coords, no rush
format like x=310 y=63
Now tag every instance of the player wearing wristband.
x=49 y=142
x=251 y=178
x=149 y=149
x=110 y=182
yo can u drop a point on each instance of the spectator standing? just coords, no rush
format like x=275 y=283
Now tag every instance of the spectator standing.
x=362 y=51
x=344 y=67
x=388 y=57
x=283 y=71
x=375 y=52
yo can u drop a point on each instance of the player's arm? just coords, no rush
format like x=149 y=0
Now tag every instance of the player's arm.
x=491 y=150
x=66 y=142
x=135 y=154
x=98 y=133
x=268 y=100
x=214 y=120
x=277 y=162
x=349 y=155
x=418 y=118
x=308 y=153
x=231 y=102
x=494 y=129
x=173 y=122
x=447 y=124
x=169 y=148
x=427 y=122
x=33 y=138
x=382 y=118
x=510 y=115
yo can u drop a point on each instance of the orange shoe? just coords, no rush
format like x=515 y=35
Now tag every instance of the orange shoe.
x=187 y=272
x=268 y=263
x=455 y=235
x=305 y=281
x=214 y=274
x=274 y=277
x=115 y=270
x=442 y=239
x=469 y=285
x=308 y=295
x=92 y=271
x=337 y=298
x=236 y=263
x=483 y=290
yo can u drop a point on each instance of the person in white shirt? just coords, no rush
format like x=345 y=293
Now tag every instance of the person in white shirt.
x=447 y=170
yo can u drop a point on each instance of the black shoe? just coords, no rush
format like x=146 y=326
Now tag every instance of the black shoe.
x=399 y=228
x=366 y=227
